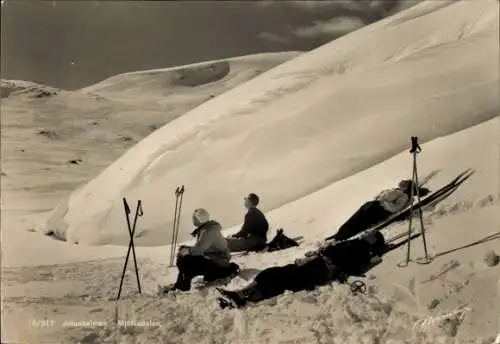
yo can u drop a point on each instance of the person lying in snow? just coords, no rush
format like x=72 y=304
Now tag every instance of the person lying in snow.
x=209 y=257
x=332 y=262
x=253 y=233
x=387 y=203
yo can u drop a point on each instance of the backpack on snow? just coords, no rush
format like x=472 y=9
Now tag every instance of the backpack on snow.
x=281 y=242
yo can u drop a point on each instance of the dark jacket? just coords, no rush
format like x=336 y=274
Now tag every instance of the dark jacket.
x=255 y=225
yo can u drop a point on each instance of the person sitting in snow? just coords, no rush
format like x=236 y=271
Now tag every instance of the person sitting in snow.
x=209 y=257
x=387 y=203
x=335 y=261
x=253 y=233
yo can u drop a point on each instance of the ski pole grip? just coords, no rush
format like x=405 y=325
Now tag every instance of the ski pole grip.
x=415 y=147
x=140 y=212
x=125 y=204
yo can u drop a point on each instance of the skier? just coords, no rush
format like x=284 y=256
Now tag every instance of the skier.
x=253 y=233
x=209 y=257
x=332 y=262
x=387 y=203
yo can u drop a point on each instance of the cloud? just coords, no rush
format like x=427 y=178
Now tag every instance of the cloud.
x=264 y=3
x=273 y=38
x=322 y=5
x=323 y=20
x=405 y=4
x=337 y=26
x=313 y=5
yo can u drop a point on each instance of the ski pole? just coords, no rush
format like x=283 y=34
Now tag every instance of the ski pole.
x=411 y=209
x=172 y=251
x=181 y=193
x=138 y=212
x=131 y=246
x=127 y=212
x=427 y=258
x=414 y=150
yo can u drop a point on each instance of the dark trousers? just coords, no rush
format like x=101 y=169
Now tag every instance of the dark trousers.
x=192 y=266
x=253 y=243
x=275 y=281
x=370 y=214
x=346 y=258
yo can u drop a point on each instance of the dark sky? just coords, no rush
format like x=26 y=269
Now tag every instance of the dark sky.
x=71 y=44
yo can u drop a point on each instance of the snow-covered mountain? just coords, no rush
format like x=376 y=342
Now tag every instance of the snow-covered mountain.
x=174 y=87
x=53 y=140
x=429 y=71
x=316 y=137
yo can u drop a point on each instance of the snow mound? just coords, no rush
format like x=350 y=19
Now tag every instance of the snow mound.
x=303 y=125
x=164 y=85
x=55 y=144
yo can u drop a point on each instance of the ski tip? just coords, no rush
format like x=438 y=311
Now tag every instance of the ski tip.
x=472 y=171
x=466 y=175
x=428 y=177
x=469 y=171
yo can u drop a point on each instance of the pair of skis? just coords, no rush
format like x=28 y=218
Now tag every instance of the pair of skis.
x=425 y=202
x=436 y=197
x=429 y=202
x=422 y=183
x=179 y=193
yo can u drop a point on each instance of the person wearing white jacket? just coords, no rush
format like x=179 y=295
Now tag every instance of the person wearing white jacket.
x=387 y=203
x=209 y=257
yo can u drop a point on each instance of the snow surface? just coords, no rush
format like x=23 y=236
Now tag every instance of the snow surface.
x=172 y=86
x=54 y=141
x=394 y=311
x=309 y=137
x=303 y=125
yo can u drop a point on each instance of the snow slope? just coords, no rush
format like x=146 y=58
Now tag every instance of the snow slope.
x=173 y=87
x=395 y=310
x=54 y=141
x=429 y=71
x=67 y=283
